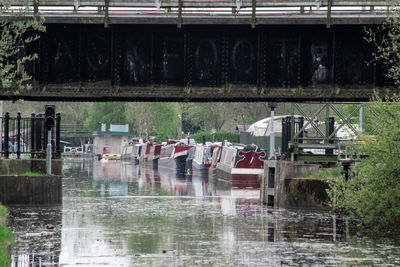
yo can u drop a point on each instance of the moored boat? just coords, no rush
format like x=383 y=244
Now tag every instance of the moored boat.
x=131 y=152
x=111 y=156
x=180 y=153
x=241 y=165
x=165 y=159
x=150 y=153
x=202 y=158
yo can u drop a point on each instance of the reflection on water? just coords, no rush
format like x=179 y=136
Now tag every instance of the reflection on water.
x=126 y=215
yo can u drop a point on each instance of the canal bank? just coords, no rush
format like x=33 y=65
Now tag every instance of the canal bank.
x=6 y=238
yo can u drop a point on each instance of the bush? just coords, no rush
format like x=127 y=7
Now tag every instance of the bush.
x=219 y=136
x=372 y=195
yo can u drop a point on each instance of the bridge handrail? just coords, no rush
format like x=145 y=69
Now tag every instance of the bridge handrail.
x=200 y=3
x=72 y=128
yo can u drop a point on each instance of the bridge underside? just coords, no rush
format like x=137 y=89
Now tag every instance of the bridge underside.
x=203 y=63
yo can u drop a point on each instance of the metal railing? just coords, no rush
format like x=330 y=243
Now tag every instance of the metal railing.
x=73 y=128
x=238 y=4
x=22 y=136
x=314 y=136
x=181 y=12
x=181 y=8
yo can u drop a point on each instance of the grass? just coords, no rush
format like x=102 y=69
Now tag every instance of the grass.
x=6 y=239
x=328 y=173
x=3 y=212
x=30 y=174
x=25 y=174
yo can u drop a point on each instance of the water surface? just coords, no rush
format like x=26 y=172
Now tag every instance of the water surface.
x=119 y=214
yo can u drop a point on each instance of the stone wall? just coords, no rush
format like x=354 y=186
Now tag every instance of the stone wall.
x=18 y=189
x=45 y=189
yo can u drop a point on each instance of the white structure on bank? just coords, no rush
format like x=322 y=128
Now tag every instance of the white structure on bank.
x=111 y=141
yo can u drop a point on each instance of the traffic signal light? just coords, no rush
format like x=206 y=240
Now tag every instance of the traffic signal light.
x=49 y=116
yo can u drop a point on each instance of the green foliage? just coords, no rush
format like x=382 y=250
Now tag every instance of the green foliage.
x=157 y=119
x=19 y=29
x=373 y=193
x=3 y=212
x=107 y=112
x=165 y=120
x=6 y=239
x=30 y=174
x=219 y=136
x=386 y=41
x=328 y=173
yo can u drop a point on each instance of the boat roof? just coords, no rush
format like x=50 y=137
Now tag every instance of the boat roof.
x=264 y=122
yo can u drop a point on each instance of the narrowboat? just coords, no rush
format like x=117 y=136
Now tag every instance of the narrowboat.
x=202 y=158
x=150 y=153
x=241 y=165
x=180 y=153
x=131 y=152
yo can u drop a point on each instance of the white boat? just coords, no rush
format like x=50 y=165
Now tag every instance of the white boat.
x=202 y=157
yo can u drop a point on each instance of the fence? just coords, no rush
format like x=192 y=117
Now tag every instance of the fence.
x=27 y=136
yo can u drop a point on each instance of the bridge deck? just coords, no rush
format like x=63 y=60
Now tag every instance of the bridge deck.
x=298 y=60
x=182 y=12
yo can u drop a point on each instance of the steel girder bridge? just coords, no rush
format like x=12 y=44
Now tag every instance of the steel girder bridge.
x=184 y=50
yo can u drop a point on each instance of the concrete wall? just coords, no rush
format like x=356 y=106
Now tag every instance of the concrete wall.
x=15 y=166
x=291 y=191
x=46 y=189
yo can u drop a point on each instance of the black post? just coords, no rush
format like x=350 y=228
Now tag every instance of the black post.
x=288 y=135
x=39 y=125
x=58 y=127
x=284 y=138
x=18 y=135
x=204 y=139
x=331 y=128
x=32 y=135
x=301 y=134
x=6 y=133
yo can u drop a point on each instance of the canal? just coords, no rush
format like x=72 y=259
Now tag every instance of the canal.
x=121 y=214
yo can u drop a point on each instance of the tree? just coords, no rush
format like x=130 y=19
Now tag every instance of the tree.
x=19 y=29
x=142 y=118
x=165 y=119
x=386 y=41
x=107 y=112
x=155 y=118
x=373 y=193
